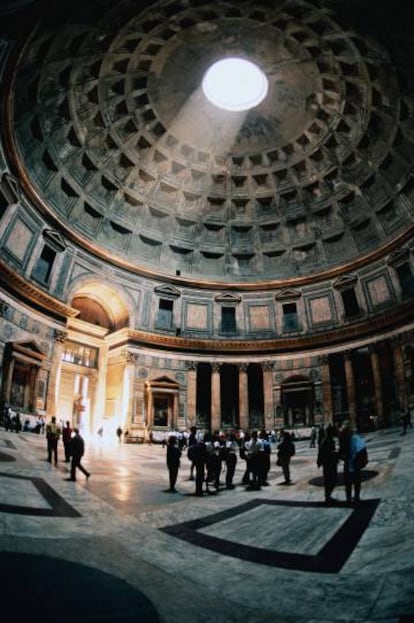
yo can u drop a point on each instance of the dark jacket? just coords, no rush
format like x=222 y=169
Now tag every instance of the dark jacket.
x=77 y=447
x=286 y=449
x=173 y=456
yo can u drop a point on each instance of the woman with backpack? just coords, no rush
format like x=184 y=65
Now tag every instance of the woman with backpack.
x=353 y=452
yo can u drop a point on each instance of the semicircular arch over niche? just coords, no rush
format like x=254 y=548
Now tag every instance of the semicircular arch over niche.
x=102 y=304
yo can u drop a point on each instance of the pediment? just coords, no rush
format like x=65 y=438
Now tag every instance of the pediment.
x=288 y=294
x=347 y=281
x=162 y=382
x=399 y=256
x=12 y=187
x=54 y=239
x=227 y=298
x=167 y=291
x=27 y=350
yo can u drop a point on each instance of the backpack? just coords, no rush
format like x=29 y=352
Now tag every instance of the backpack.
x=361 y=459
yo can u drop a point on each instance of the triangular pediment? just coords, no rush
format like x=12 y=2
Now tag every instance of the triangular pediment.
x=288 y=294
x=227 y=298
x=399 y=256
x=164 y=379
x=347 y=281
x=168 y=291
x=12 y=187
x=55 y=240
x=162 y=382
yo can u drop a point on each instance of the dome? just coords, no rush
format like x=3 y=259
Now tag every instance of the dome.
x=119 y=145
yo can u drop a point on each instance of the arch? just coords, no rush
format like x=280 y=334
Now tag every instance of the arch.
x=102 y=303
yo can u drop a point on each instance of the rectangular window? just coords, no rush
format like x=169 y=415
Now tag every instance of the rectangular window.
x=350 y=303
x=44 y=265
x=165 y=314
x=406 y=279
x=228 y=320
x=81 y=355
x=290 y=318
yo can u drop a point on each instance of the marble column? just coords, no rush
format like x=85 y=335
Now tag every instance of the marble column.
x=327 y=405
x=149 y=420
x=243 y=397
x=350 y=388
x=269 y=408
x=99 y=391
x=375 y=365
x=131 y=361
x=191 y=392
x=399 y=372
x=215 y=397
x=175 y=413
x=53 y=386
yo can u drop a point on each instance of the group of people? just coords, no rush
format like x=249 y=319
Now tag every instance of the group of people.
x=350 y=447
x=73 y=444
x=210 y=453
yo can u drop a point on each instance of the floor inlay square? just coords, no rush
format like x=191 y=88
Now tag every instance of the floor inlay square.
x=305 y=536
x=40 y=499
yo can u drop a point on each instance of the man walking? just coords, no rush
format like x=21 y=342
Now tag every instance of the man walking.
x=52 y=438
x=77 y=450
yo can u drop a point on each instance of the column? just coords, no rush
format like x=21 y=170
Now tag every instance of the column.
x=327 y=402
x=215 y=397
x=150 y=414
x=267 y=368
x=350 y=388
x=175 y=410
x=191 y=392
x=401 y=388
x=9 y=379
x=375 y=365
x=53 y=386
x=243 y=397
x=97 y=390
x=279 y=421
x=128 y=402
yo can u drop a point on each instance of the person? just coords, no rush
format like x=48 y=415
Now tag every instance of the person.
x=66 y=438
x=52 y=437
x=119 y=433
x=285 y=451
x=328 y=459
x=173 y=462
x=192 y=440
x=406 y=421
x=264 y=458
x=230 y=450
x=17 y=423
x=244 y=443
x=77 y=450
x=8 y=426
x=313 y=437
x=320 y=435
x=252 y=448
x=351 y=444
x=199 y=456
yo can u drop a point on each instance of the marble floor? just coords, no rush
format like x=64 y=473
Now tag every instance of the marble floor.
x=119 y=549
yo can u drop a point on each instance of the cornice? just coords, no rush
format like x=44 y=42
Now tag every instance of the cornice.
x=25 y=291
x=371 y=326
